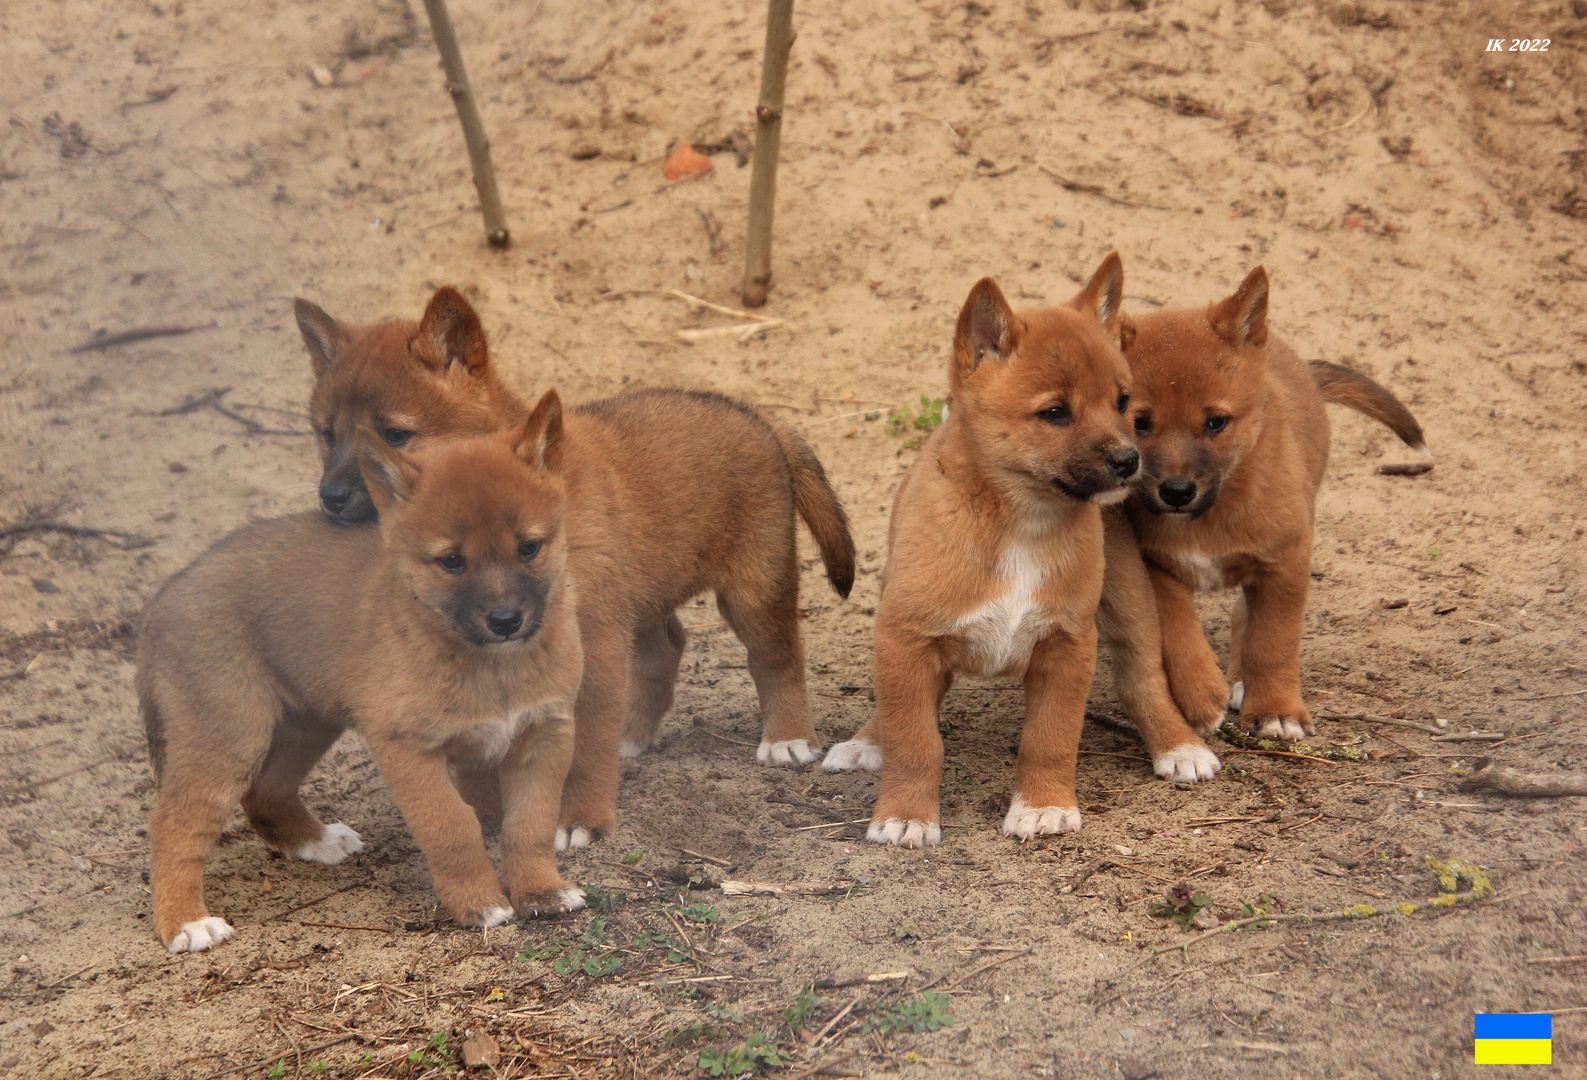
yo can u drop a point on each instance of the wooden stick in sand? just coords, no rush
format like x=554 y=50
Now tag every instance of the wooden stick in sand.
x=768 y=141
x=473 y=128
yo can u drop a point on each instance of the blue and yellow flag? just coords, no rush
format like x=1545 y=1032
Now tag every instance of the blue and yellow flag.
x=1515 y=1039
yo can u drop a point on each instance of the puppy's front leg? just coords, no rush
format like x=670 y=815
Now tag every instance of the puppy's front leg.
x=1056 y=683
x=1275 y=616
x=911 y=678
x=1127 y=618
x=589 y=798
x=446 y=829
x=532 y=776
x=1194 y=676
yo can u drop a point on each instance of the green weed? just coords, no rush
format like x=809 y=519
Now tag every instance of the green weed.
x=927 y=1013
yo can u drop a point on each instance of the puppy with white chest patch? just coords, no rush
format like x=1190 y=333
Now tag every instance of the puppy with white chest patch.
x=448 y=633
x=1234 y=439
x=995 y=556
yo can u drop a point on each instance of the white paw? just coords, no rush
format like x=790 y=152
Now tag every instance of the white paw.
x=335 y=845
x=1186 y=764
x=1026 y=822
x=905 y=834
x=201 y=935
x=633 y=748
x=494 y=916
x=1283 y=728
x=789 y=754
x=854 y=754
x=1237 y=696
x=571 y=839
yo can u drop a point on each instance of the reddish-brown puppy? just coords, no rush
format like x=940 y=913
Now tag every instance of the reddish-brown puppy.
x=1234 y=442
x=996 y=554
x=670 y=494
x=448 y=632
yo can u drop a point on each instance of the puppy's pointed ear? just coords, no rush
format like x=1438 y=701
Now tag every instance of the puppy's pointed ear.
x=1103 y=296
x=389 y=476
x=1242 y=318
x=1126 y=333
x=988 y=328
x=451 y=333
x=539 y=442
x=323 y=336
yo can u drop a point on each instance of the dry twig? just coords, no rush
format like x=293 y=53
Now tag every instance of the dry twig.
x=1491 y=777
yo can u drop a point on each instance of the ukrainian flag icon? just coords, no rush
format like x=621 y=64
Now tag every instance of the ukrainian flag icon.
x=1515 y=1039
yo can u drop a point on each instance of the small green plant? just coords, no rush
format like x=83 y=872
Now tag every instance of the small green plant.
x=1266 y=904
x=320 y=1067
x=1182 y=904
x=602 y=901
x=798 y=1014
x=927 y=1013
x=904 y=419
x=436 y=1053
x=746 y=1057
x=633 y=856
x=698 y=913
x=277 y=1071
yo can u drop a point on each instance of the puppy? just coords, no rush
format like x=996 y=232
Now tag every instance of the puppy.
x=448 y=631
x=1234 y=440
x=996 y=554
x=670 y=494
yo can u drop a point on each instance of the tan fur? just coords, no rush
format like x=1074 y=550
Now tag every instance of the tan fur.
x=670 y=494
x=1255 y=481
x=257 y=657
x=996 y=550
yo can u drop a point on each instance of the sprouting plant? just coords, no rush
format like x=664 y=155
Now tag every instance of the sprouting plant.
x=632 y=857
x=277 y=1071
x=746 y=1057
x=904 y=418
x=698 y=913
x=1266 y=904
x=926 y=1013
x=804 y=1006
x=1182 y=904
x=435 y=1053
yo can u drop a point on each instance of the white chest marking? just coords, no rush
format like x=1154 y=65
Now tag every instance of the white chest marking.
x=1000 y=634
x=493 y=737
x=1204 y=573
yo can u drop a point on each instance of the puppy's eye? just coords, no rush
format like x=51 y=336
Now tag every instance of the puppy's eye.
x=452 y=563
x=1143 y=425
x=1056 y=414
x=395 y=436
x=1216 y=424
x=1124 y=403
x=528 y=550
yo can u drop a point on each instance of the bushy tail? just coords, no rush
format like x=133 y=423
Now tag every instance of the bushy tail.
x=818 y=505
x=1342 y=386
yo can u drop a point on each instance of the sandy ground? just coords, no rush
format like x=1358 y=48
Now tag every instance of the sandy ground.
x=1419 y=205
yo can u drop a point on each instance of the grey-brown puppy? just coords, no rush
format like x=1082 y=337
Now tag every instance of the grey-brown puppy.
x=450 y=632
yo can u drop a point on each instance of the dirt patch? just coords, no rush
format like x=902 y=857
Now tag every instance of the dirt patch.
x=1419 y=205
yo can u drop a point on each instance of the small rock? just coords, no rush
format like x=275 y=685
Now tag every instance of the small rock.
x=322 y=75
x=584 y=151
x=1394 y=603
x=479 y=1050
x=45 y=585
x=1205 y=919
x=1129 y=1033
x=1122 y=850
x=42 y=1028
x=81 y=865
x=1132 y=1069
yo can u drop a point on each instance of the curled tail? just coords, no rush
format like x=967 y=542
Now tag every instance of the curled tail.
x=818 y=505
x=1342 y=386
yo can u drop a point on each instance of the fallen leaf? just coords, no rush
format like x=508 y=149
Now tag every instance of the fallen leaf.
x=481 y=1049
x=685 y=161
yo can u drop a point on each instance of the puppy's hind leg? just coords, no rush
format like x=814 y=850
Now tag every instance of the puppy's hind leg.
x=275 y=809
x=658 y=650
x=766 y=620
x=1237 y=618
x=210 y=755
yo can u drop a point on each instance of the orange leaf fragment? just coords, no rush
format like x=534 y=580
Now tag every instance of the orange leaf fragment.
x=685 y=161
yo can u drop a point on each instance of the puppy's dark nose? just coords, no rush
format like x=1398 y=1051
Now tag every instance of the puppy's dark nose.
x=1124 y=461
x=504 y=623
x=334 y=497
x=1177 y=493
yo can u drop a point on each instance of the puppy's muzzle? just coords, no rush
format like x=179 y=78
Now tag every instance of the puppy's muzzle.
x=1177 y=494
x=504 y=624
x=1124 y=462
